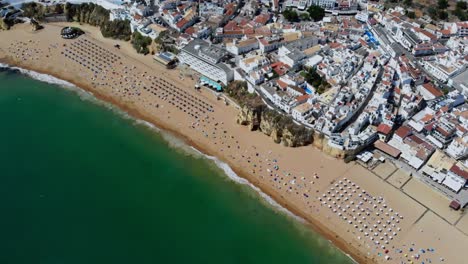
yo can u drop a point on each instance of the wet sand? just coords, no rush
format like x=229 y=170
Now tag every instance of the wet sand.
x=295 y=177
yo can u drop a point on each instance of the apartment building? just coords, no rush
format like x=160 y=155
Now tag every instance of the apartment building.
x=208 y=60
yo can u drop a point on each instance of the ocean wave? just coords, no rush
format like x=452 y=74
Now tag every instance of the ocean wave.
x=38 y=76
x=236 y=178
x=83 y=94
x=172 y=140
x=168 y=137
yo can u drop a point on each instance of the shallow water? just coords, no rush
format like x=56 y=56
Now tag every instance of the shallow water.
x=80 y=183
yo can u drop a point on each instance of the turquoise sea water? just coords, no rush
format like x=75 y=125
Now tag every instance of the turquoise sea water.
x=80 y=183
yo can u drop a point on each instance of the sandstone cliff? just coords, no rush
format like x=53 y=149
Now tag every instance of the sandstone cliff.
x=279 y=127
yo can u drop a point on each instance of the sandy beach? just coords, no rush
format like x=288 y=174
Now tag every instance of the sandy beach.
x=370 y=218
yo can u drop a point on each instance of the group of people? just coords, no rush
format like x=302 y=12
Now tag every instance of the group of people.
x=28 y=50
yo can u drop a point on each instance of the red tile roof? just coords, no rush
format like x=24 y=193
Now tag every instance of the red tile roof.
x=459 y=171
x=190 y=30
x=302 y=98
x=432 y=89
x=429 y=127
x=282 y=84
x=262 y=19
x=334 y=45
x=181 y=23
x=384 y=129
x=394 y=152
x=403 y=131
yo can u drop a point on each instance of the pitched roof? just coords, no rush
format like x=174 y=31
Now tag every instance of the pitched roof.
x=181 y=23
x=403 y=131
x=282 y=84
x=384 y=129
x=302 y=98
x=432 y=89
x=459 y=171
x=394 y=152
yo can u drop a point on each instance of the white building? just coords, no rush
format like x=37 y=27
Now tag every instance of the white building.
x=323 y=3
x=243 y=46
x=445 y=68
x=458 y=148
x=302 y=112
x=456 y=178
x=207 y=60
x=253 y=63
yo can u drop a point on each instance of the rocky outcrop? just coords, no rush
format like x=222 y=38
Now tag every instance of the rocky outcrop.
x=320 y=141
x=249 y=117
x=257 y=116
x=5 y=23
x=35 y=25
x=279 y=127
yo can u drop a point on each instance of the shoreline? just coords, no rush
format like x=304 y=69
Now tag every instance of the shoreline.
x=298 y=179
x=264 y=193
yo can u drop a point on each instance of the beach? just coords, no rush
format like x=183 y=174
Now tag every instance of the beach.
x=83 y=182
x=303 y=180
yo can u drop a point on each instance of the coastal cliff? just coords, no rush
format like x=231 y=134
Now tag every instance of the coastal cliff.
x=257 y=116
x=279 y=127
x=5 y=24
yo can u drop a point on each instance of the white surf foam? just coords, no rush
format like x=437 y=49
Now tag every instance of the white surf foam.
x=171 y=139
x=83 y=94
x=236 y=178
x=39 y=76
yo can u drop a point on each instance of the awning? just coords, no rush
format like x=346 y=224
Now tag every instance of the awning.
x=207 y=81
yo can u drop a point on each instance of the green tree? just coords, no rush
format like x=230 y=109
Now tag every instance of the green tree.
x=460 y=11
x=461 y=5
x=411 y=14
x=290 y=15
x=316 y=12
x=318 y=82
x=141 y=43
x=116 y=29
x=408 y=2
x=442 y=4
x=304 y=16
x=443 y=14
x=34 y=10
x=432 y=12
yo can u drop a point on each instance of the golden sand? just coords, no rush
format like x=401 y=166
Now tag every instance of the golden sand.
x=295 y=177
